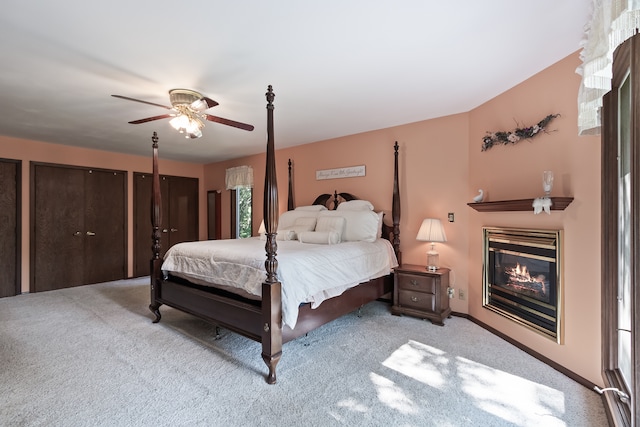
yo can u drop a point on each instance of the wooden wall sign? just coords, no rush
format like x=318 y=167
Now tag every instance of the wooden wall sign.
x=348 y=172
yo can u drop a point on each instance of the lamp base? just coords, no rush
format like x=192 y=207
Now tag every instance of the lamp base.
x=433 y=260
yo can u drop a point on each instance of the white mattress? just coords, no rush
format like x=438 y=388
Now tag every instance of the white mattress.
x=309 y=273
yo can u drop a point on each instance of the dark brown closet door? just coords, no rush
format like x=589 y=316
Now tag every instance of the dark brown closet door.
x=141 y=223
x=165 y=226
x=214 y=223
x=57 y=238
x=142 y=254
x=179 y=216
x=105 y=226
x=78 y=226
x=183 y=210
x=9 y=227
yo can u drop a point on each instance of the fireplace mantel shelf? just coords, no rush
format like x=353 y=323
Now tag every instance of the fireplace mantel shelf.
x=559 y=204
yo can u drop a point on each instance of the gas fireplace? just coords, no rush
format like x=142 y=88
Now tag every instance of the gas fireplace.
x=522 y=277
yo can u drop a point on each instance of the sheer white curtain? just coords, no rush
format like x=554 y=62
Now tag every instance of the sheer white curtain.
x=612 y=22
x=240 y=176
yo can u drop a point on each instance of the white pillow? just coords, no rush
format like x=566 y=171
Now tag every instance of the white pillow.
x=304 y=224
x=355 y=205
x=331 y=223
x=319 y=237
x=312 y=208
x=288 y=218
x=380 y=222
x=283 y=234
x=359 y=225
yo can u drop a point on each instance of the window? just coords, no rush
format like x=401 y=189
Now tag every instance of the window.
x=620 y=237
x=240 y=181
x=241 y=212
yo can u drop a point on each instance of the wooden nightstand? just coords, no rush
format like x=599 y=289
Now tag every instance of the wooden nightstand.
x=421 y=293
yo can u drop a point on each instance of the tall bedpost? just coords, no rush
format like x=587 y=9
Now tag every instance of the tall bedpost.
x=290 y=193
x=156 y=220
x=271 y=288
x=396 y=207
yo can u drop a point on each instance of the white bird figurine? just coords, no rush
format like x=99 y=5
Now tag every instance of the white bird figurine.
x=479 y=197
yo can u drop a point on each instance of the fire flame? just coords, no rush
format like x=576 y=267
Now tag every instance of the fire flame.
x=520 y=277
x=522 y=273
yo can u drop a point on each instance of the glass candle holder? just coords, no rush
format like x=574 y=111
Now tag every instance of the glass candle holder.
x=547 y=182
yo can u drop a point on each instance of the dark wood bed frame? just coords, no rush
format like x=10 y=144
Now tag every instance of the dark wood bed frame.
x=261 y=320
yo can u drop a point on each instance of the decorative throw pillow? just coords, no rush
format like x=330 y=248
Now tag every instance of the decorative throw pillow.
x=319 y=237
x=331 y=223
x=303 y=224
x=287 y=219
x=283 y=234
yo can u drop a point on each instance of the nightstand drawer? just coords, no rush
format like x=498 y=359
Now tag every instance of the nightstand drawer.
x=417 y=300
x=413 y=282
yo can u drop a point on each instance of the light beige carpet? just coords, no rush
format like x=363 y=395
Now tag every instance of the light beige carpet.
x=90 y=356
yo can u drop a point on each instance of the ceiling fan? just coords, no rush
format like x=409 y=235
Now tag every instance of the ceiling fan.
x=189 y=112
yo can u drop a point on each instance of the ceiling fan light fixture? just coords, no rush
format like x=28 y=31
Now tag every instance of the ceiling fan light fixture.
x=199 y=105
x=185 y=97
x=197 y=133
x=179 y=122
x=189 y=117
x=189 y=104
x=189 y=124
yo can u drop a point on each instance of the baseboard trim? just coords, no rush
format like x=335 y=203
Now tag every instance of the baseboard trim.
x=558 y=367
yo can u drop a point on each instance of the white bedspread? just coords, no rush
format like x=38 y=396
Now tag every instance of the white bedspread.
x=308 y=272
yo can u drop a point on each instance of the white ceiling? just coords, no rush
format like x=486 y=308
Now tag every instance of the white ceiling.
x=338 y=67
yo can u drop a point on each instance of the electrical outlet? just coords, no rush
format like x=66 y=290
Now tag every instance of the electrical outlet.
x=451 y=217
x=461 y=294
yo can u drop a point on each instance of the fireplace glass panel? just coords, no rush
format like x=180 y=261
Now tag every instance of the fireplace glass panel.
x=521 y=279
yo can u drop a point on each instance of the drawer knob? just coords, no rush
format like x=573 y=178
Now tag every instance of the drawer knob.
x=414 y=282
x=414 y=299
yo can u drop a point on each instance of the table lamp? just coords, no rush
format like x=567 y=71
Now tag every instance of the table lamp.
x=432 y=231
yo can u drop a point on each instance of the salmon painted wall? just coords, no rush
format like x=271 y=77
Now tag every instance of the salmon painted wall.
x=25 y=150
x=515 y=172
x=441 y=169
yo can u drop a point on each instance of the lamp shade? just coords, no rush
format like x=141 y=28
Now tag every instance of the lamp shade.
x=431 y=230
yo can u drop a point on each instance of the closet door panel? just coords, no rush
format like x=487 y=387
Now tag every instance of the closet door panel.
x=9 y=228
x=105 y=226
x=142 y=185
x=183 y=210
x=179 y=216
x=141 y=223
x=165 y=224
x=57 y=228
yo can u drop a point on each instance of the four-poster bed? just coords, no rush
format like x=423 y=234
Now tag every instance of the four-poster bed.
x=261 y=318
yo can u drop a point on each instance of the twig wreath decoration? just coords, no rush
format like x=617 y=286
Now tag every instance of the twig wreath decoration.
x=518 y=134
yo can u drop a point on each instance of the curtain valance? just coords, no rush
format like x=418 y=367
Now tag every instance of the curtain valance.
x=612 y=22
x=240 y=176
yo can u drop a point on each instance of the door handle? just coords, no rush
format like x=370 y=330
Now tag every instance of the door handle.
x=90 y=233
x=77 y=233
x=165 y=230
x=173 y=230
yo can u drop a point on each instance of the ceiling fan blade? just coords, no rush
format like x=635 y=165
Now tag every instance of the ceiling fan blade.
x=210 y=102
x=150 y=119
x=228 y=122
x=139 y=100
